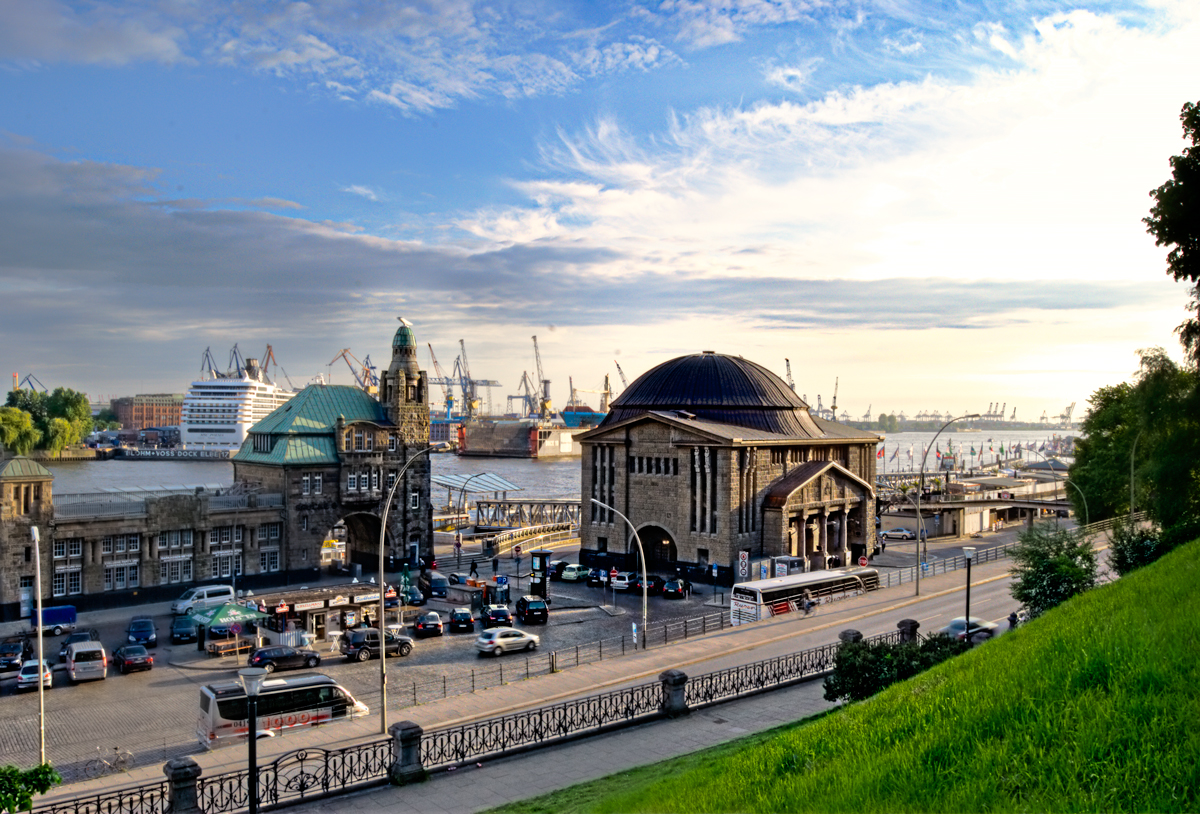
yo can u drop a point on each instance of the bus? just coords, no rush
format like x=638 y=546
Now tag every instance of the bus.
x=283 y=703
x=764 y=598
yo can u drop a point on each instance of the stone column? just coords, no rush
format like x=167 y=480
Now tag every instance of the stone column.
x=674 y=693
x=182 y=773
x=407 y=767
x=908 y=629
x=843 y=532
x=850 y=635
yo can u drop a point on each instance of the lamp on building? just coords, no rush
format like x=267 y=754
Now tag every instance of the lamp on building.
x=252 y=679
x=969 y=554
x=387 y=503
x=921 y=486
x=642 y=556
x=37 y=581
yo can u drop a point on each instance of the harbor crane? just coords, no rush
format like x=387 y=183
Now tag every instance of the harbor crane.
x=605 y=394
x=362 y=374
x=269 y=359
x=545 y=407
x=526 y=397
x=787 y=363
x=621 y=373
x=867 y=415
x=1064 y=420
x=236 y=362
x=443 y=381
x=832 y=404
x=30 y=380
x=469 y=386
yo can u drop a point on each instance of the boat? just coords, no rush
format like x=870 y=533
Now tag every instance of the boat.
x=519 y=438
x=221 y=407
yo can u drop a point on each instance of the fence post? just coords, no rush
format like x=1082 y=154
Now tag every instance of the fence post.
x=674 y=693
x=850 y=635
x=406 y=754
x=908 y=629
x=182 y=773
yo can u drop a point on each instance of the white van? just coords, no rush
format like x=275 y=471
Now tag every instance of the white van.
x=86 y=661
x=207 y=596
x=574 y=573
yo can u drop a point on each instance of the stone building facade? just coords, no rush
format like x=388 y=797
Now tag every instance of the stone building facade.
x=331 y=453
x=148 y=410
x=716 y=461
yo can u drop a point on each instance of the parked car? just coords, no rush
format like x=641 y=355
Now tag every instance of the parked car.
x=597 y=577
x=89 y=635
x=433 y=583
x=131 y=657
x=899 y=534
x=497 y=616
x=982 y=628
x=462 y=619
x=654 y=585
x=87 y=661
x=15 y=651
x=555 y=568
x=183 y=629
x=495 y=642
x=142 y=631
x=429 y=624
x=623 y=581
x=574 y=573
x=533 y=610
x=363 y=643
x=282 y=657
x=205 y=596
x=27 y=678
x=413 y=596
x=458 y=578
x=676 y=588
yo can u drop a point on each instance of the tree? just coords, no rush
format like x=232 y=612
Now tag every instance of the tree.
x=1175 y=220
x=60 y=435
x=17 y=432
x=862 y=669
x=1131 y=547
x=1051 y=565
x=1103 y=450
x=17 y=786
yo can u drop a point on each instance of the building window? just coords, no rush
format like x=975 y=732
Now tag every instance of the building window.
x=391 y=480
x=187 y=570
x=75 y=582
x=107 y=545
x=414 y=500
x=237 y=534
x=346 y=441
x=702 y=556
x=58 y=585
x=175 y=567
x=391 y=442
x=185 y=537
x=119 y=544
x=273 y=531
x=60 y=549
x=304 y=522
x=602 y=544
x=133 y=576
x=268 y=561
x=358 y=440
x=304 y=486
x=108 y=579
x=374 y=479
x=162 y=573
x=317 y=484
x=120 y=577
x=370 y=442
x=134 y=542
x=352 y=482
x=226 y=534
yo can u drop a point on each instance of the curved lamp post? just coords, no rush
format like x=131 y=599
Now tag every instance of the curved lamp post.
x=252 y=679
x=37 y=565
x=921 y=486
x=641 y=555
x=387 y=503
x=1067 y=481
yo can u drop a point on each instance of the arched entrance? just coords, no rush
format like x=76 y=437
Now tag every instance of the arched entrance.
x=661 y=551
x=362 y=541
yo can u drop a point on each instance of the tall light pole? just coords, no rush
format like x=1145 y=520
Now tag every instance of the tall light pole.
x=1067 y=481
x=969 y=553
x=642 y=556
x=1132 y=452
x=921 y=486
x=37 y=581
x=387 y=503
x=252 y=679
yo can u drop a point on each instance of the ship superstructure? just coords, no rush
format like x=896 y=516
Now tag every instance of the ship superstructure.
x=221 y=407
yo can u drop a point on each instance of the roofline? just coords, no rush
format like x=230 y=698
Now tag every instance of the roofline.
x=664 y=417
x=828 y=465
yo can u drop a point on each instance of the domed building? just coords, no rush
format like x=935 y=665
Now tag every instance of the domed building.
x=717 y=462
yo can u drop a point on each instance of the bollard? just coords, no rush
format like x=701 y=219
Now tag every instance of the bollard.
x=908 y=629
x=406 y=767
x=182 y=773
x=674 y=693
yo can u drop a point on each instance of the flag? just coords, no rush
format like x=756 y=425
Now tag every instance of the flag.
x=990 y=447
x=896 y=453
x=879 y=453
x=972 y=450
x=1001 y=447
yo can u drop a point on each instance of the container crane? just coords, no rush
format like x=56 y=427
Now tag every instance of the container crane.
x=30 y=380
x=621 y=373
x=791 y=382
x=362 y=374
x=442 y=380
x=236 y=362
x=545 y=407
x=208 y=365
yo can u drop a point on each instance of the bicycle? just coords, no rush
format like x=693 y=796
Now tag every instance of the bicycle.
x=121 y=760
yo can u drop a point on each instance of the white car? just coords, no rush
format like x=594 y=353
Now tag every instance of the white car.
x=623 y=581
x=27 y=678
x=899 y=534
x=499 y=640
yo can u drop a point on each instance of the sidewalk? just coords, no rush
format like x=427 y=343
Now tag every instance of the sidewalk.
x=550 y=768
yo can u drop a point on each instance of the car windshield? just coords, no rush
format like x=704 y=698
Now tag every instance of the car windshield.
x=11 y=647
x=141 y=625
x=188 y=594
x=135 y=650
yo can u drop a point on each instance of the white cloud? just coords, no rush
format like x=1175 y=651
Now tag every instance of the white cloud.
x=51 y=31
x=362 y=192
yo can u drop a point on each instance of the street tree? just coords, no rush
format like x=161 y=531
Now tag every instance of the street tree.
x=1051 y=565
x=17 y=786
x=1175 y=221
x=17 y=432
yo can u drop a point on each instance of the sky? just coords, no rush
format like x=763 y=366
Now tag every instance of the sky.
x=936 y=206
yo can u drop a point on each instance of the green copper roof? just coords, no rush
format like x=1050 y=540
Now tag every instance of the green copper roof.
x=404 y=338
x=303 y=429
x=21 y=467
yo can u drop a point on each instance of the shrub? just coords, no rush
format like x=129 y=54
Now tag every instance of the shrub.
x=1051 y=565
x=862 y=669
x=1132 y=547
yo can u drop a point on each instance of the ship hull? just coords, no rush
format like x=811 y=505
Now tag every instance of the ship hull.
x=518 y=439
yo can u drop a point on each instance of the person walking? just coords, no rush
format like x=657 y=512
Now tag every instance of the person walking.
x=474 y=569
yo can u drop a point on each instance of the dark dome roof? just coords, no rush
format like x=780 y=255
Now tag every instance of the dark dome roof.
x=715 y=387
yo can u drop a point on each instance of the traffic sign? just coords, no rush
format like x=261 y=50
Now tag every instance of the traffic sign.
x=613 y=573
x=862 y=561
x=235 y=628
x=517 y=550
x=501 y=579
x=458 y=545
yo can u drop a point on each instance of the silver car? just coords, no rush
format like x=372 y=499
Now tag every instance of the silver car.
x=499 y=640
x=28 y=677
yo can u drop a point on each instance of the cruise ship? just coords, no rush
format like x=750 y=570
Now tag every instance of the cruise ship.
x=218 y=411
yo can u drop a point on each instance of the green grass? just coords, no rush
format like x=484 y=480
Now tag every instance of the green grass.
x=1095 y=707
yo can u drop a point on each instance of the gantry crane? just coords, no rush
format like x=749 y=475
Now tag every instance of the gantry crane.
x=470 y=387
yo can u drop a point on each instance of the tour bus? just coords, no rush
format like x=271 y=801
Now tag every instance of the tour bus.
x=283 y=703
x=764 y=598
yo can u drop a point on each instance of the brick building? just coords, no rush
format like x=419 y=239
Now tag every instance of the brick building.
x=148 y=410
x=716 y=461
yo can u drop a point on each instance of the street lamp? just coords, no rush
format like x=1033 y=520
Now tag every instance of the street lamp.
x=642 y=556
x=387 y=503
x=1067 y=481
x=252 y=679
x=462 y=500
x=921 y=486
x=969 y=553
x=37 y=580
x=1132 y=452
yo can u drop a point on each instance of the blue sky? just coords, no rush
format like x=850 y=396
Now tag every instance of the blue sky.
x=937 y=204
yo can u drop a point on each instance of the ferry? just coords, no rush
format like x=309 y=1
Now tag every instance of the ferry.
x=217 y=411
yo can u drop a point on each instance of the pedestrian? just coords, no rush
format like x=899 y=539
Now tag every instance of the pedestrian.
x=474 y=569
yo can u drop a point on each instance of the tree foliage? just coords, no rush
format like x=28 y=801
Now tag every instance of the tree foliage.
x=1174 y=219
x=1132 y=546
x=46 y=410
x=17 y=432
x=862 y=669
x=1051 y=565
x=17 y=786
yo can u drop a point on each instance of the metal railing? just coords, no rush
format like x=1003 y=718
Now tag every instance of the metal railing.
x=105 y=509
x=150 y=798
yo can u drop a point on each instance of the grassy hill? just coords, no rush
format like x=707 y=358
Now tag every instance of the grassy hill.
x=1095 y=707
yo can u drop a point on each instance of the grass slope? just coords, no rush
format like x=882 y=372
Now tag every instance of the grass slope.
x=1094 y=707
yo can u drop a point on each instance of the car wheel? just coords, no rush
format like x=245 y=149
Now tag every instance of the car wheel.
x=531 y=646
x=364 y=654
x=121 y=669
x=405 y=649
x=496 y=651
x=269 y=667
x=313 y=661
x=58 y=630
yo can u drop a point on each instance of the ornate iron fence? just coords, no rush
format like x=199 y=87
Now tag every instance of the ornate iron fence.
x=441 y=748
x=148 y=799
x=302 y=775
